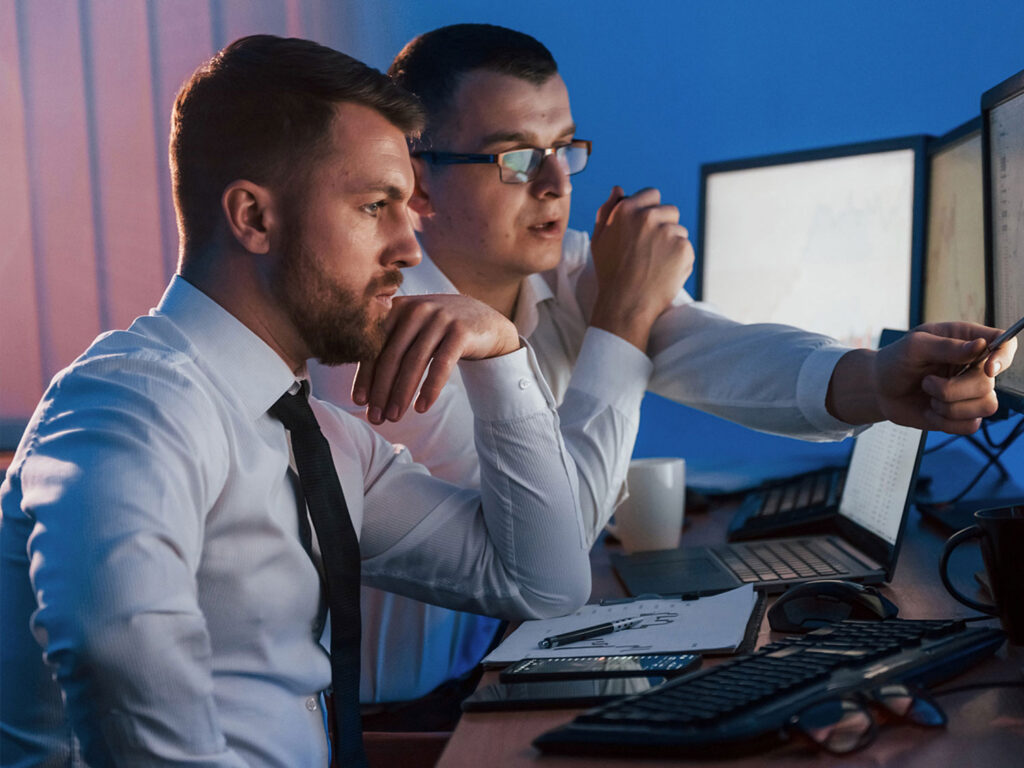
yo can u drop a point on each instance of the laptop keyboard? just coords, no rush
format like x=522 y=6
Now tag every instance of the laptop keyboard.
x=745 y=703
x=770 y=561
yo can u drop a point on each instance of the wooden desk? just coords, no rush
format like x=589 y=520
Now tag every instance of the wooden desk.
x=986 y=727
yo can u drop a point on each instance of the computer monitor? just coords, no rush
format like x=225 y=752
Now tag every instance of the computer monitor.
x=1002 y=110
x=828 y=240
x=954 y=255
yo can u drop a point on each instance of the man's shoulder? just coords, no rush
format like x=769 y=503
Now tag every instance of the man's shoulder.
x=148 y=367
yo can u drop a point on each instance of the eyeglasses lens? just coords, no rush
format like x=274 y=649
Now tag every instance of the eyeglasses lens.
x=521 y=165
x=574 y=156
x=910 y=705
x=838 y=726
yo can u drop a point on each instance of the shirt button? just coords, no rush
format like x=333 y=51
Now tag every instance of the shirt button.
x=311 y=704
x=524 y=383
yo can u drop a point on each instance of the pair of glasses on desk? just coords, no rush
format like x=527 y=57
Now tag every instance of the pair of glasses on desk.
x=846 y=724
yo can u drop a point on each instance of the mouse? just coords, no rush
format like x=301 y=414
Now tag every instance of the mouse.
x=814 y=604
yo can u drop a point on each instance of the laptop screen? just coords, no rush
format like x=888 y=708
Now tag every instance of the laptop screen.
x=878 y=487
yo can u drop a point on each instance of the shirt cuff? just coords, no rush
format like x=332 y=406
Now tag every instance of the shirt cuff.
x=611 y=370
x=506 y=387
x=812 y=388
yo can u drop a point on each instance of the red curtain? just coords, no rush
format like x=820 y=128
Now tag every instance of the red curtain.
x=89 y=238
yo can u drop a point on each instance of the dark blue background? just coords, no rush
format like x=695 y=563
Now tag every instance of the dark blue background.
x=661 y=87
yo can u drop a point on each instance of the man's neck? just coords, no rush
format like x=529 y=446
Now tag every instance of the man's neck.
x=234 y=283
x=501 y=294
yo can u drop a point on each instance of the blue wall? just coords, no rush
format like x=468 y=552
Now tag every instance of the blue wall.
x=662 y=87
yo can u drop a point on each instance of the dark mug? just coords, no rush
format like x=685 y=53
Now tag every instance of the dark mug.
x=1001 y=534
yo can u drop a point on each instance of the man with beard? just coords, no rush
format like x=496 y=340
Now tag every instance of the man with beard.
x=155 y=541
x=607 y=320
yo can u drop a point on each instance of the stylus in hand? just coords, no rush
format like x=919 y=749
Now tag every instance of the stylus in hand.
x=588 y=632
x=1004 y=337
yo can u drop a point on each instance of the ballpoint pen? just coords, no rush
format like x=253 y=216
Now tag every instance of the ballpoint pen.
x=1004 y=337
x=588 y=632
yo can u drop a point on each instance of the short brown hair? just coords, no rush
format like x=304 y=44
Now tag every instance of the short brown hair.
x=261 y=110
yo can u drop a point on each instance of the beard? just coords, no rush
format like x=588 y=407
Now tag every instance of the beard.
x=333 y=321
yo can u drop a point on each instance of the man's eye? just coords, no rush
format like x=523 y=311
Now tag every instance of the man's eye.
x=374 y=208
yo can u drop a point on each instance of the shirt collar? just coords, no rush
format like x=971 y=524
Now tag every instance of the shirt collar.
x=427 y=277
x=241 y=359
x=532 y=293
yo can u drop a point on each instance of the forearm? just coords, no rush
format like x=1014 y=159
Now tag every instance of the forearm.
x=852 y=391
x=625 y=316
x=771 y=378
x=600 y=415
x=528 y=484
x=515 y=548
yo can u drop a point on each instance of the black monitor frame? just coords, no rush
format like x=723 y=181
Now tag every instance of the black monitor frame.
x=1010 y=87
x=918 y=143
x=935 y=145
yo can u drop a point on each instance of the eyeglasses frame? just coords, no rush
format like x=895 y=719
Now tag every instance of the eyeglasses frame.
x=865 y=701
x=471 y=158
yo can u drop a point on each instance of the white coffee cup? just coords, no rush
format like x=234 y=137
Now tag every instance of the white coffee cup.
x=651 y=517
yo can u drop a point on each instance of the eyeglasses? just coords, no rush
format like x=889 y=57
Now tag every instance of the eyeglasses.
x=518 y=166
x=845 y=725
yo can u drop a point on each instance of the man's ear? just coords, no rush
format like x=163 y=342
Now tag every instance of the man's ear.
x=420 y=203
x=250 y=214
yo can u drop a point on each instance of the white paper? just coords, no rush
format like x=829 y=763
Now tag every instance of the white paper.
x=715 y=623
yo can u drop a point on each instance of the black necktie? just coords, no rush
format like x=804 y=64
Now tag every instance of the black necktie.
x=339 y=550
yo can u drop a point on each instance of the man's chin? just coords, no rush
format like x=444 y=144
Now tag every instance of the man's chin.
x=353 y=349
x=547 y=257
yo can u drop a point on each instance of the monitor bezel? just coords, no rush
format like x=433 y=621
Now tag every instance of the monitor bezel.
x=917 y=143
x=1012 y=86
x=935 y=145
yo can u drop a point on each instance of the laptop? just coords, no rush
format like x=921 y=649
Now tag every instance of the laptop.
x=799 y=505
x=863 y=546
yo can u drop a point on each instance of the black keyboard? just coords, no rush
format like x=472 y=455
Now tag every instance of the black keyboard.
x=795 y=506
x=743 y=704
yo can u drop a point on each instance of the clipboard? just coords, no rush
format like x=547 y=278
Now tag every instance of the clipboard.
x=714 y=624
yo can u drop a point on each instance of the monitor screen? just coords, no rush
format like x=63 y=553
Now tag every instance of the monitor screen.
x=1003 y=115
x=954 y=256
x=827 y=240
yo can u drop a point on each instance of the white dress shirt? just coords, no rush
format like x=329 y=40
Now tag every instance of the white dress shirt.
x=149 y=543
x=768 y=377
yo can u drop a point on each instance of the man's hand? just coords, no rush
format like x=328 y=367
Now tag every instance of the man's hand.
x=913 y=382
x=435 y=330
x=642 y=256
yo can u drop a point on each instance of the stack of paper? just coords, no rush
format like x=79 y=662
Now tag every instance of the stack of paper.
x=715 y=623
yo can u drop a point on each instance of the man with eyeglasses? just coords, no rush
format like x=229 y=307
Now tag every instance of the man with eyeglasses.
x=607 y=318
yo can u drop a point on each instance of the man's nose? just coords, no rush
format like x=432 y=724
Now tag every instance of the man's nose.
x=552 y=178
x=404 y=249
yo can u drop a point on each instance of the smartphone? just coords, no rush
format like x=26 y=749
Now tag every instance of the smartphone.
x=595 y=667
x=555 y=694
x=1001 y=339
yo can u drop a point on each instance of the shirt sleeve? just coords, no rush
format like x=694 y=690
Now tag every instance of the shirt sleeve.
x=769 y=377
x=110 y=488
x=515 y=548
x=600 y=416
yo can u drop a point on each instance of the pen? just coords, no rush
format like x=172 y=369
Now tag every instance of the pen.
x=588 y=632
x=1004 y=337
